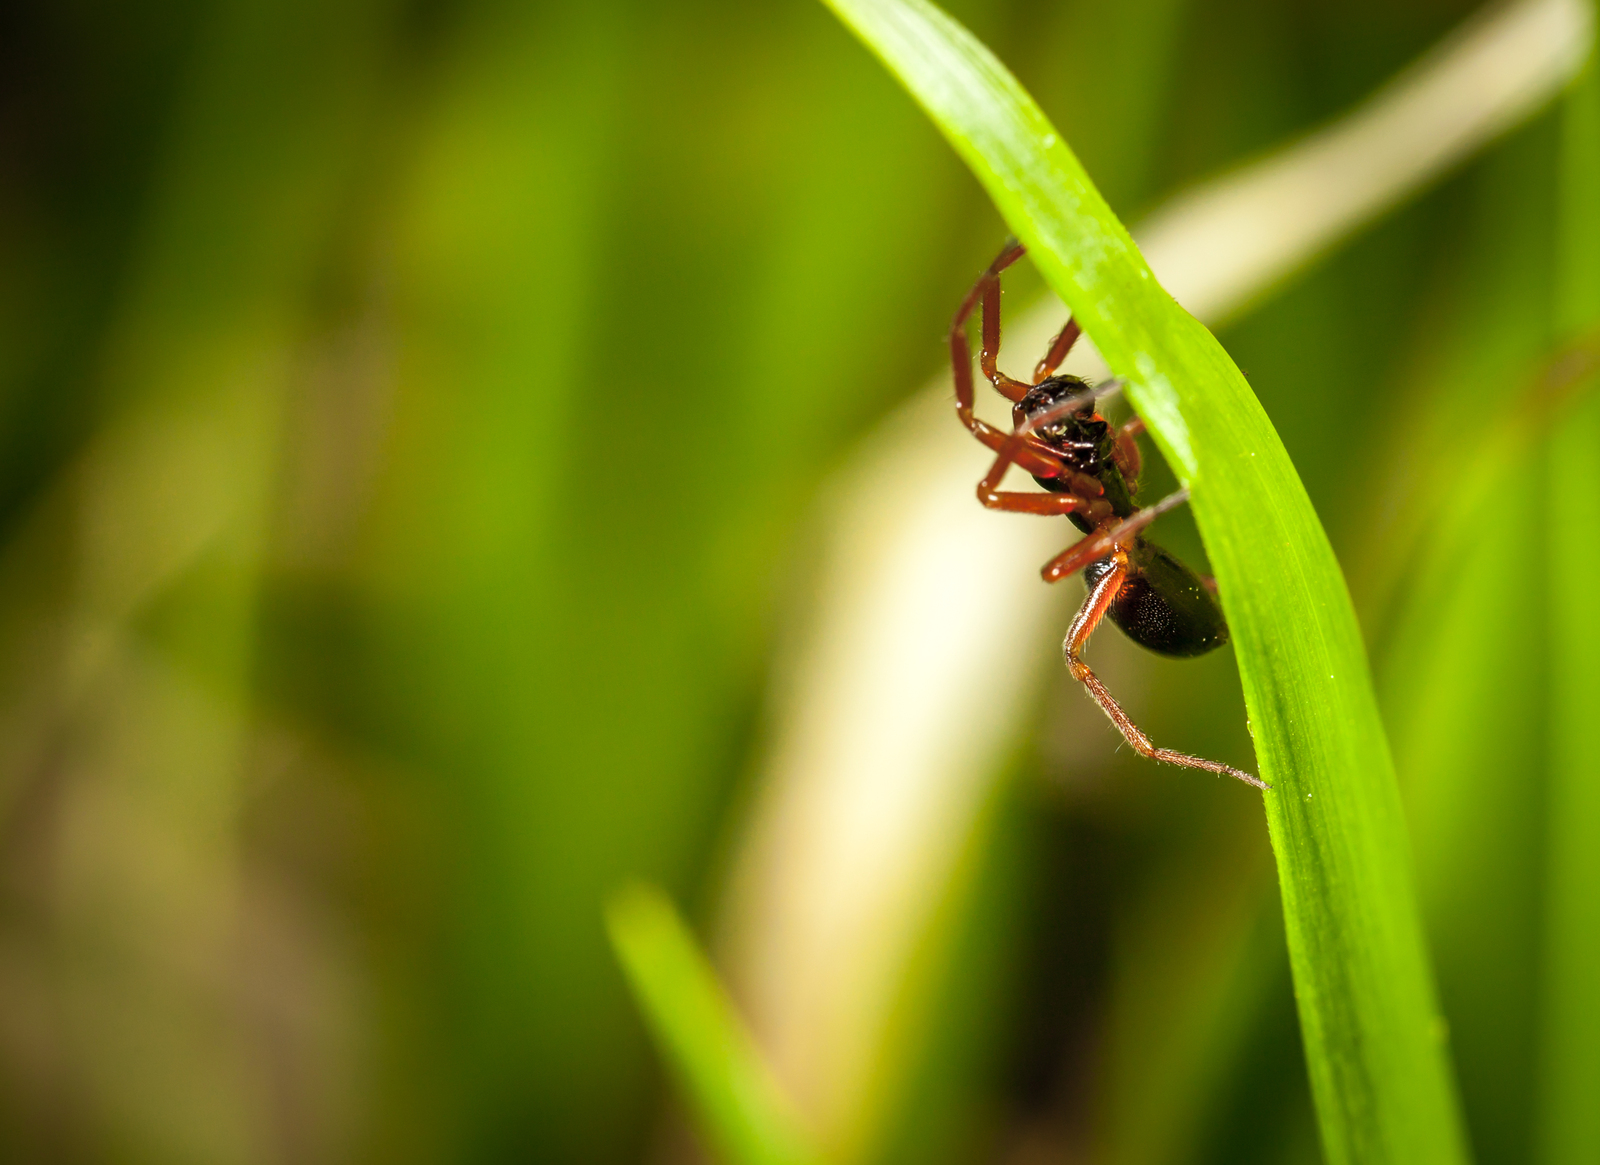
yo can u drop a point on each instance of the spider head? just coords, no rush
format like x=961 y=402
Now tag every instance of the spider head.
x=1080 y=433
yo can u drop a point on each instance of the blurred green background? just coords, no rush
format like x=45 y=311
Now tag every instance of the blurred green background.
x=412 y=417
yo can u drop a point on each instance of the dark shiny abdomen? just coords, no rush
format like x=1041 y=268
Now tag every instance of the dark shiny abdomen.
x=1163 y=605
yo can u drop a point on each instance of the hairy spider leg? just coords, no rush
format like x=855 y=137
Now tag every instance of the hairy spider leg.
x=1095 y=546
x=1083 y=497
x=1029 y=501
x=989 y=352
x=987 y=291
x=1020 y=447
x=1085 y=493
x=1031 y=454
x=1088 y=618
x=1059 y=347
x=1126 y=454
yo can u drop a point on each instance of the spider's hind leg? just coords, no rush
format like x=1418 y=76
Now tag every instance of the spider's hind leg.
x=1083 y=625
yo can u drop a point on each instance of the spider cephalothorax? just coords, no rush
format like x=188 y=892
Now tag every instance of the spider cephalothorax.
x=1080 y=433
x=1086 y=445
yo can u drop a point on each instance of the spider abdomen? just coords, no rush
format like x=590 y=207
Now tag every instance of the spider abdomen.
x=1163 y=605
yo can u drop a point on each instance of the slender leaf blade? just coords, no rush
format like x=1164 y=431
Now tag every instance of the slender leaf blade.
x=1568 y=1119
x=735 y=1099
x=1367 y=1008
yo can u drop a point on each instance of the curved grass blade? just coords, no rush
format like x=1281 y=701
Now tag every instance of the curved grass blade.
x=735 y=1100
x=1367 y=1008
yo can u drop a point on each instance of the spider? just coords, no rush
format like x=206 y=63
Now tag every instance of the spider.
x=1089 y=472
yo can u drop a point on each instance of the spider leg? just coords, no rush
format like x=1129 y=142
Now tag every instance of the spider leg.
x=1089 y=548
x=1103 y=541
x=1084 y=496
x=1008 y=255
x=1033 y=503
x=1059 y=347
x=1012 y=390
x=1031 y=454
x=986 y=290
x=1083 y=625
x=1126 y=453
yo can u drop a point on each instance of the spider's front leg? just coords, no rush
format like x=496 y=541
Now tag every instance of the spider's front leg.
x=1059 y=347
x=986 y=290
x=1023 y=449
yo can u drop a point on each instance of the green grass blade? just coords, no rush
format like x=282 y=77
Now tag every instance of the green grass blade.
x=1569 y=1117
x=1569 y=1073
x=737 y=1103
x=1367 y=1009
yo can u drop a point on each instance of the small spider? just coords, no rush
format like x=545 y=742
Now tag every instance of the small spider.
x=1090 y=473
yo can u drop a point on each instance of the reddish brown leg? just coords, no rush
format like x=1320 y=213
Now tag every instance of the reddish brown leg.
x=1059 y=347
x=986 y=290
x=1012 y=446
x=1096 y=546
x=1029 y=452
x=1089 y=616
x=1085 y=496
x=1008 y=255
x=1012 y=390
x=960 y=353
x=1032 y=455
x=1127 y=451
x=1032 y=503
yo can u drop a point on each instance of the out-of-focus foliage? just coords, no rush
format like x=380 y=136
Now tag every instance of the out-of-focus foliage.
x=411 y=414
x=1567 y=1127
